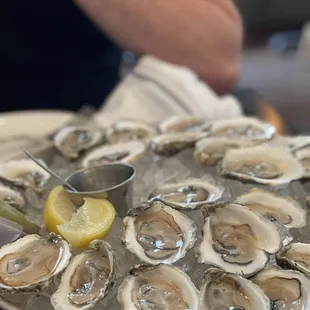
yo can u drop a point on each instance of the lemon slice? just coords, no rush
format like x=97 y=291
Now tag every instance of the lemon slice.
x=58 y=209
x=92 y=221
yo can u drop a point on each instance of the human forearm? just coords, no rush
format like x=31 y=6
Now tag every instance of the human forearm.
x=195 y=33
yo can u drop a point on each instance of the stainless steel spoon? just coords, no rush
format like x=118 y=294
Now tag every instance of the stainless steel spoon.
x=52 y=173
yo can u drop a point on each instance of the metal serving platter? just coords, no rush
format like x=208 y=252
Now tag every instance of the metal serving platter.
x=151 y=172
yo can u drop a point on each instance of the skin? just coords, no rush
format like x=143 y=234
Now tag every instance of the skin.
x=203 y=35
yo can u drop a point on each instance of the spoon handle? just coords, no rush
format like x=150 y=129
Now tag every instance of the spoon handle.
x=49 y=171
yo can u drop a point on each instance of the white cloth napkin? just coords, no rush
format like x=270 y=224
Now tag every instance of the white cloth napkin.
x=156 y=90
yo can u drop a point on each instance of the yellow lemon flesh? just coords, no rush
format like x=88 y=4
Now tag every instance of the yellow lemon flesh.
x=91 y=221
x=58 y=209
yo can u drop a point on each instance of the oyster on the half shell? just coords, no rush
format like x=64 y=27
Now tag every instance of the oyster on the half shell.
x=262 y=164
x=158 y=287
x=181 y=124
x=12 y=197
x=123 y=152
x=211 y=150
x=283 y=209
x=286 y=289
x=156 y=233
x=247 y=128
x=237 y=239
x=296 y=256
x=32 y=261
x=87 y=279
x=72 y=140
x=189 y=194
x=289 y=143
x=224 y=290
x=25 y=173
x=125 y=130
x=303 y=155
x=172 y=143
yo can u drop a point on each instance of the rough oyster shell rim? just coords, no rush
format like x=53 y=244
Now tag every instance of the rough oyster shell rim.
x=129 y=241
x=71 y=268
x=126 y=286
x=294 y=168
x=45 y=282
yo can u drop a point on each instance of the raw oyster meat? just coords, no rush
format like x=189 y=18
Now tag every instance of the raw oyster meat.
x=286 y=289
x=303 y=155
x=223 y=290
x=124 y=152
x=181 y=124
x=25 y=173
x=13 y=197
x=72 y=140
x=158 y=287
x=125 y=130
x=248 y=128
x=32 y=261
x=157 y=233
x=280 y=208
x=172 y=143
x=210 y=151
x=296 y=256
x=189 y=194
x=262 y=164
x=87 y=279
x=237 y=239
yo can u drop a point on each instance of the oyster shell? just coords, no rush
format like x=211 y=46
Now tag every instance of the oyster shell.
x=125 y=130
x=25 y=173
x=248 y=128
x=172 y=143
x=87 y=279
x=286 y=289
x=123 y=152
x=188 y=195
x=157 y=233
x=181 y=124
x=303 y=155
x=210 y=151
x=289 y=143
x=223 y=290
x=262 y=164
x=72 y=140
x=32 y=261
x=283 y=209
x=158 y=287
x=13 y=197
x=296 y=256
x=237 y=239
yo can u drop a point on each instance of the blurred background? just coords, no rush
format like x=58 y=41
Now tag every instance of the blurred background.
x=277 y=55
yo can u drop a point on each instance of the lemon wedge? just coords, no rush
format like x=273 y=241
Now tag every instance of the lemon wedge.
x=58 y=209
x=92 y=221
x=10 y=213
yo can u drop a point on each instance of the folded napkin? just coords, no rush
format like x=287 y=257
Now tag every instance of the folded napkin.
x=156 y=90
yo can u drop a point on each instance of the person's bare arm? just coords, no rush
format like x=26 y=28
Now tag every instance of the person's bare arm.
x=204 y=35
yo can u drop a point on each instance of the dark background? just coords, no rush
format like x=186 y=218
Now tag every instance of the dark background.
x=273 y=64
